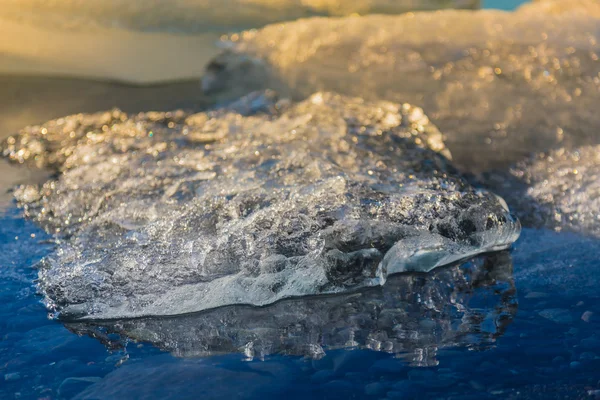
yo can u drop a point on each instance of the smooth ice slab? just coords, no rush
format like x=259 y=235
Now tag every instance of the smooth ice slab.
x=498 y=85
x=411 y=316
x=168 y=213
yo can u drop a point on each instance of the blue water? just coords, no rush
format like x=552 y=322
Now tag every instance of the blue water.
x=550 y=348
x=503 y=4
x=547 y=347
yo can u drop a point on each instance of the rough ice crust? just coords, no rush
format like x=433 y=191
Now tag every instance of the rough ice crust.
x=498 y=85
x=558 y=189
x=411 y=316
x=168 y=213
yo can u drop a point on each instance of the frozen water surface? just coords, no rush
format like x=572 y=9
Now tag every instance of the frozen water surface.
x=499 y=85
x=168 y=213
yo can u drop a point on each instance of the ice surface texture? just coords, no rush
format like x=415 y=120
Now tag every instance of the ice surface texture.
x=412 y=316
x=558 y=189
x=498 y=85
x=168 y=213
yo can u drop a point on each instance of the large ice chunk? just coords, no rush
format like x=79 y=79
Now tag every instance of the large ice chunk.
x=499 y=85
x=168 y=213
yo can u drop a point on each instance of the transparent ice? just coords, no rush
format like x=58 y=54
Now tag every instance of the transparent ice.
x=170 y=213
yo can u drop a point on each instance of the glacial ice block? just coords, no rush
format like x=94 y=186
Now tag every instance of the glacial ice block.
x=170 y=213
x=499 y=85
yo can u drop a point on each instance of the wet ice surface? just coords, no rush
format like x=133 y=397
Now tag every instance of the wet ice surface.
x=168 y=213
x=498 y=85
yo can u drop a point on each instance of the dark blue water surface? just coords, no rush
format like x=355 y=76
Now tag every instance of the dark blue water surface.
x=543 y=341
x=548 y=346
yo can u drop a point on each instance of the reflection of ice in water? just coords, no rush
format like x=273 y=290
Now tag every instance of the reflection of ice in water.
x=167 y=213
x=143 y=41
x=412 y=316
x=499 y=85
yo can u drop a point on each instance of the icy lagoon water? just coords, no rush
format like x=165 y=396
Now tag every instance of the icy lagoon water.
x=518 y=324
x=525 y=327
